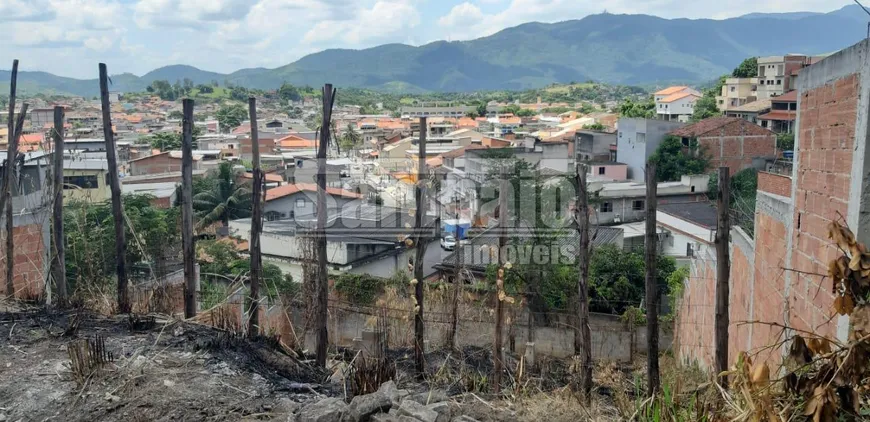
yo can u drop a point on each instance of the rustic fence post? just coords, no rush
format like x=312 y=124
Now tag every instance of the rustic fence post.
x=322 y=299
x=457 y=283
x=723 y=270
x=651 y=298
x=420 y=244
x=256 y=224
x=503 y=223
x=6 y=198
x=115 y=186
x=59 y=263
x=187 y=239
x=583 y=331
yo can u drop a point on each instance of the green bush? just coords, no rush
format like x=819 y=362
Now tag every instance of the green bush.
x=360 y=289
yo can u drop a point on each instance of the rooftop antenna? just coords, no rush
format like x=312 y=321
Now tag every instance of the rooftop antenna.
x=868 y=13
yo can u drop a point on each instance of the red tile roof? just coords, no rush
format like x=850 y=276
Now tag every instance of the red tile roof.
x=671 y=90
x=782 y=115
x=678 y=96
x=269 y=177
x=788 y=97
x=282 y=191
x=717 y=123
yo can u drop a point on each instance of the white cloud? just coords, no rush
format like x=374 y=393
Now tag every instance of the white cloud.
x=191 y=13
x=386 y=20
x=25 y=10
x=462 y=14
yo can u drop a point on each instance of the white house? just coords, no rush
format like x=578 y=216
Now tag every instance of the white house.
x=676 y=103
x=688 y=230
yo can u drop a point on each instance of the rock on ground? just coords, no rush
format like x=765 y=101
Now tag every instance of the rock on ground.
x=361 y=408
x=442 y=409
x=417 y=411
x=394 y=393
x=326 y=410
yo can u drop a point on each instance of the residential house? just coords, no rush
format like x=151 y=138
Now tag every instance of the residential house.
x=165 y=193
x=637 y=140
x=688 y=230
x=295 y=200
x=164 y=162
x=40 y=117
x=737 y=92
x=591 y=145
x=442 y=109
x=85 y=144
x=730 y=141
x=625 y=202
x=782 y=115
x=775 y=73
x=608 y=169
x=676 y=103
x=634 y=236
x=360 y=239
x=86 y=179
x=750 y=111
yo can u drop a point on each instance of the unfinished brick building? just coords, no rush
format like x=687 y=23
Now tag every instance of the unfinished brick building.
x=774 y=276
x=730 y=141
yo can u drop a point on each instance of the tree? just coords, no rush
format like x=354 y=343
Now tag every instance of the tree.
x=239 y=93
x=289 y=92
x=673 y=159
x=205 y=89
x=785 y=141
x=231 y=116
x=747 y=69
x=511 y=109
x=706 y=106
x=481 y=109
x=349 y=139
x=616 y=278
x=525 y=112
x=218 y=258
x=744 y=186
x=595 y=126
x=222 y=198
x=175 y=114
x=171 y=141
x=643 y=110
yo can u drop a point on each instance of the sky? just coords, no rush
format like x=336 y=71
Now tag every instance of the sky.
x=70 y=37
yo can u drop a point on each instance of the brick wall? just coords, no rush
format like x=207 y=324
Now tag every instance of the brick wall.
x=774 y=183
x=155 y=164
x=827 y=118
x=30 y=248
x=696 y=313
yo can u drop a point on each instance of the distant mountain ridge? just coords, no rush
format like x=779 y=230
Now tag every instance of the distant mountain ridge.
x=627 y=49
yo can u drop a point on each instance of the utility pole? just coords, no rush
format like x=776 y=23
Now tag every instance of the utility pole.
x=115 y=186
x=322 y=299
x=420 y=243
x=59 y=267
x=583 y=331
x=650 y=256
x=723 y=270
x=503 y=223
x=256 y=224
x=187 y=239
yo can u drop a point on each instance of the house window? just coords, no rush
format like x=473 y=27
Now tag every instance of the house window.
x=733 y=89
x=82 y=182
x=600 y=170
x=685 y=142
x=606 y=207
x=779 y=81
x=637 y=205
x=690 y=250
x=300 y=203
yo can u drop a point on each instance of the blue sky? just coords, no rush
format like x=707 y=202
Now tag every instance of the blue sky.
x=69 y=37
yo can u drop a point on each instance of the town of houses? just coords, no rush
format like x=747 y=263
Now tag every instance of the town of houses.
x=373 y=182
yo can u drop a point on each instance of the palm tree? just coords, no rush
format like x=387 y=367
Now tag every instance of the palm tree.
x=350 y=139
x=219 y=198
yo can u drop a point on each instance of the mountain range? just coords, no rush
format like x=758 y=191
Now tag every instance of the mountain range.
x=611 y=48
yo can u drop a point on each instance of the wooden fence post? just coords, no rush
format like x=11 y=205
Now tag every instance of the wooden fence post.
x=256 y=224
x=115 y=186
x=420 y=244
x=583 y=331
x=6 y=198
x=651 y=298
x=322 y=299
x=187 y=239
x=503 y=222
x=723 y=270
x=59 y=263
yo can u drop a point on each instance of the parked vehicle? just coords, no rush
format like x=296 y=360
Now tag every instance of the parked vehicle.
x=448 y=242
